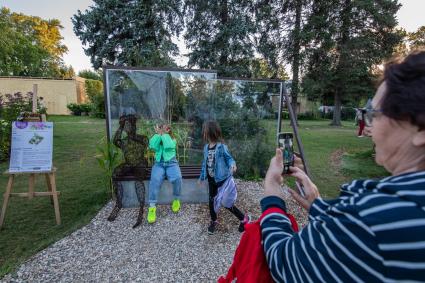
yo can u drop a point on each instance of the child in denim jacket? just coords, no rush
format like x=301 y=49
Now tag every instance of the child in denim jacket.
x=217 y=166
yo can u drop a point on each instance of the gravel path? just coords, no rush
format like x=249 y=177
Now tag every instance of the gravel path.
x=175 y=249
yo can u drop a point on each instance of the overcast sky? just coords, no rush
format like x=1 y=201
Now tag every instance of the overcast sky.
x=410 y=17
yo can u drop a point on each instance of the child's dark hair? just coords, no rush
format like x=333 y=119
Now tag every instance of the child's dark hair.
x=211 y=131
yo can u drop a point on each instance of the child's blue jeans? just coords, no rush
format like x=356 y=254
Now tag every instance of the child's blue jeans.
x=161 y=169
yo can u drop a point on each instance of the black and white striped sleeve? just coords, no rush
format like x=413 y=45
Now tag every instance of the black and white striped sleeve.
x=334 y=247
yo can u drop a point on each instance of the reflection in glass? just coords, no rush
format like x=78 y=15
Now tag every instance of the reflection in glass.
x=246 y=111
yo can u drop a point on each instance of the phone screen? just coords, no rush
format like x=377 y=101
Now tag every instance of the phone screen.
x=285 y=143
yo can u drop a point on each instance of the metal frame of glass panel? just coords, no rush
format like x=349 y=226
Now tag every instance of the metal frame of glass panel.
x=283 y=96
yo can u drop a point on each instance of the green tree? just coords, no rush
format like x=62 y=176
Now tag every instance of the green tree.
x=46 y=33
x=18 y=55
x=411 y=41
x=219 y=35
x=280 y=36
x=417 y=39
x=263 y=70
x=130 y=32
x=94 y=90
x=31 y=46
x=91 y=75
x=65 y=72
x=346 y=40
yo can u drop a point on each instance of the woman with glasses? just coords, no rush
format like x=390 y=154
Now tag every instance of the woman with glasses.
x=375 y=230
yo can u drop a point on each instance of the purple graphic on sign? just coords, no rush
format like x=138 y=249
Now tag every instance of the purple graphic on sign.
x=37 y=126
x=21 y=125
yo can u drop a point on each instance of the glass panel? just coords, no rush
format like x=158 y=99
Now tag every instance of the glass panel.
x=246 y=111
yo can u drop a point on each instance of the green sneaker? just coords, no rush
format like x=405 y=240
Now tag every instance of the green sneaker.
x=152 y=215
x=175 y=206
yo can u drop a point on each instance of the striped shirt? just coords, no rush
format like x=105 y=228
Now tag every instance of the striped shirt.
x=374 y=232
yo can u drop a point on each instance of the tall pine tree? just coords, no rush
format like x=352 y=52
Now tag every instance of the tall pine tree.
x=130 y=32
x=346 y=40
x=219 y=35
x=280 y=38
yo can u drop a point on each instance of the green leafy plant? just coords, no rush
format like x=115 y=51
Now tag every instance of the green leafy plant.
x=184 y=141
x=109 y=157
x=4 y=139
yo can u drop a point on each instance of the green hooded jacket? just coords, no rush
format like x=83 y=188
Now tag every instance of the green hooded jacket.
x=164 y=146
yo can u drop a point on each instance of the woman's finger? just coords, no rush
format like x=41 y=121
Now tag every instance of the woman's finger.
x=298 y=198
x=298 y=162
x=298 y=173
x=279 y=157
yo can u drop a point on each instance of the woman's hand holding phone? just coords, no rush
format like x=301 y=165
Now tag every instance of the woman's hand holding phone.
x=274 y=180
x=309 y=188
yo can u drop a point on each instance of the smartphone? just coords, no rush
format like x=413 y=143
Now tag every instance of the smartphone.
x=286 y=144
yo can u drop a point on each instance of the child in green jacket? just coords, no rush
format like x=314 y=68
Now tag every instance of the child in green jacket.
x=166 y=164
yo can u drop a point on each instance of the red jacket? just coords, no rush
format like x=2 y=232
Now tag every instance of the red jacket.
x=249 y=263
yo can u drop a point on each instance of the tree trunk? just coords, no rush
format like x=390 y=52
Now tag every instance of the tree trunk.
x=336 y=119
x=296 y=58
x=342 y=63
x=224 y=17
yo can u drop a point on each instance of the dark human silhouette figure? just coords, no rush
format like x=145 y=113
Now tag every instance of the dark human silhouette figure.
x=133 y=147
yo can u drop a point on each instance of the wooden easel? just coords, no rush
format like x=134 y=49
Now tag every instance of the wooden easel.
x=49 y=175
x=51 y=191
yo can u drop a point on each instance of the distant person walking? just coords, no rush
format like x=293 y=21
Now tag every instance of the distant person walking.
x=361 y=121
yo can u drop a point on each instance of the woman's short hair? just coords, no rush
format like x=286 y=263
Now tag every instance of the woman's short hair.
x=405 y=89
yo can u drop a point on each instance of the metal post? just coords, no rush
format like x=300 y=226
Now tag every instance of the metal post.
x=107 y=104
x=279 y=114
x=297 y=137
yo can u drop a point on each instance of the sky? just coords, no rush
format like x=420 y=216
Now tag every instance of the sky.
x=410 y=17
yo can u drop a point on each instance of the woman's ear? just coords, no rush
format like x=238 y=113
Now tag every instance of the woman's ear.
x=419 y=138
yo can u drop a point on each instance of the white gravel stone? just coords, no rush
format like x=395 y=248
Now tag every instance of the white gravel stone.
x=177 y=248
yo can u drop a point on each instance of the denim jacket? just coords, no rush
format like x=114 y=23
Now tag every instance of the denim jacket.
x=223 y=163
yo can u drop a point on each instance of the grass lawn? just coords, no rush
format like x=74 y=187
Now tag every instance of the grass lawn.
x=335 y=155
x=30 y=224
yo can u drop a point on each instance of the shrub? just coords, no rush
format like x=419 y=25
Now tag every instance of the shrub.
x=78 y=109
x=94 y=90
x=308 y=115
x=85 y=108
x=347 y=113
x=11 y=107
x=252 y=156
x=4 y=139
x=74 y=108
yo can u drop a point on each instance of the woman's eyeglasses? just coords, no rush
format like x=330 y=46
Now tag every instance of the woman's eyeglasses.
x=373 y=113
